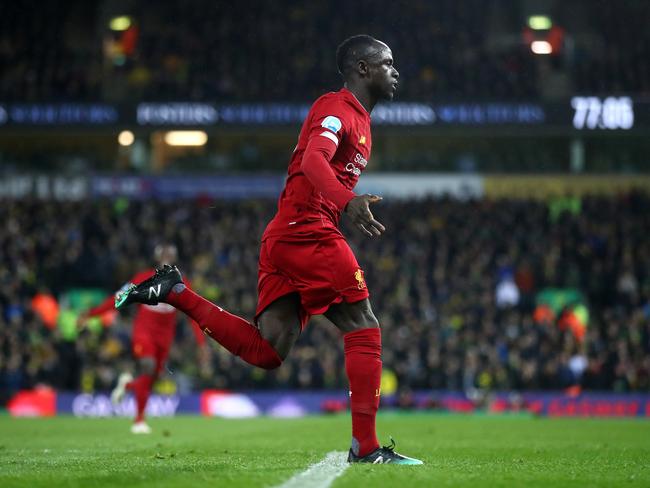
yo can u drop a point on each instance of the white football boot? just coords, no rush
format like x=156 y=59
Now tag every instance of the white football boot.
x=140 y=428
x=120 y=389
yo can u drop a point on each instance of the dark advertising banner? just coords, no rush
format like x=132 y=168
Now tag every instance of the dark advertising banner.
x=77 y=188
x=580 y=113
x=179 y=187
x=100 y=405
x=59 y=114
x=288 y=404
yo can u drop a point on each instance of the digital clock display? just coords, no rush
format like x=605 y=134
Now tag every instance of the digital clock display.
x=603 y=113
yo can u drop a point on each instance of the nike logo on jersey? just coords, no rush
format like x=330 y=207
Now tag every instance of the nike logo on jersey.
x=154 y=290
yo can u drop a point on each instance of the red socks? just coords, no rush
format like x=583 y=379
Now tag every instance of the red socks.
x=363 y=367
x=141 y=388
x=362 y=358
x=234 y=333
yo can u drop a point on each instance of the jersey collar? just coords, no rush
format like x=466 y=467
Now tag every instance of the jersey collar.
x=357 y=102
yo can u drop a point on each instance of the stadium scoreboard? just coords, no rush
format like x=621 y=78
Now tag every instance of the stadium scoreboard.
x=580 y=113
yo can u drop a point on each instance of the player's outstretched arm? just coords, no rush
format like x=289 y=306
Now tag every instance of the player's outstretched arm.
x=107 y=305
x=358 y=209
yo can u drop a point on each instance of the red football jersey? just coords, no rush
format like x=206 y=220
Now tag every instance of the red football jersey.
x=303 y=211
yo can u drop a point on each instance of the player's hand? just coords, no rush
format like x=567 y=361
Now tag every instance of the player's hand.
x=358 y=209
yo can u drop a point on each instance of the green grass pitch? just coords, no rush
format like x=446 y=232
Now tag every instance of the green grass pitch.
x=473 y=451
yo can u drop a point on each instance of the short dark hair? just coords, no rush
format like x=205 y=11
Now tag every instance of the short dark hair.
x=352 y=50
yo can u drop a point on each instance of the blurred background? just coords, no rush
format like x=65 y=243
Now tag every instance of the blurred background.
x=513 y=164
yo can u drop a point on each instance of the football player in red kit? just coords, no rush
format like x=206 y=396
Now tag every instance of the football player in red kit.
x=154 y=327
x=306 y=267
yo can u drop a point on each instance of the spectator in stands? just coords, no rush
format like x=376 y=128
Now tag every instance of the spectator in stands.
x=228 y=50
x=438 y=283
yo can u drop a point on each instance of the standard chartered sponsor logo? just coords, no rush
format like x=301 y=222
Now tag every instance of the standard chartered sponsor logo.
x=353 y=167
x=359 y=159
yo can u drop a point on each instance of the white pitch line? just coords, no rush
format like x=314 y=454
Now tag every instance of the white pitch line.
x=321 y=474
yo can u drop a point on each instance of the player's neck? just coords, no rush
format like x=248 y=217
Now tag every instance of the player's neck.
x=363 y=97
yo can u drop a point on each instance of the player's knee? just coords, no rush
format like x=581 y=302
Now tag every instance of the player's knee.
x=364 y=317
x=272 y=363
x=147 y=365
x=282 y=342
x=273 y=356
x=350 y=317
x=365 y=321
x=281 y=332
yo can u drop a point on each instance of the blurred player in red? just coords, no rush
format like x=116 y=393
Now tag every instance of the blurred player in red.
x=306 y=267
x=154 y=327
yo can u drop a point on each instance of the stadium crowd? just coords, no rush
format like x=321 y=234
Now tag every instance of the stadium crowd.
x=260 y=51
x=454 y=285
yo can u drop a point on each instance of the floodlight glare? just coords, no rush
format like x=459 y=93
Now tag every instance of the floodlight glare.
x=121 y=23
x=541 y=47
x=125 y=138
x=186 y=138
x=540 y=22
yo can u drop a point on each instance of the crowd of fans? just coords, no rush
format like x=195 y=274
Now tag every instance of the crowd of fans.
x=245 y=50
x=453 y=283
x=618 y=61
x=49 y=51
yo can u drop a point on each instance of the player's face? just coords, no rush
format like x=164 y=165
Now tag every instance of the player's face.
x=166 y=255
x=383 y=79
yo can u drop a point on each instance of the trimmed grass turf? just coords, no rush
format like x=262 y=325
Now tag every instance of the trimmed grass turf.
x=474 y=451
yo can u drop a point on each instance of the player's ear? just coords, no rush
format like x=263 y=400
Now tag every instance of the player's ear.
x=362 y=67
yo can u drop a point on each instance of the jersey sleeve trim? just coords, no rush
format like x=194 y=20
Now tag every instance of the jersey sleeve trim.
x=330 y=136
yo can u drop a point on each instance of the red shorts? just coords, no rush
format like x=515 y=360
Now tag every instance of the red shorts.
x=148 y=346
x=322 y=272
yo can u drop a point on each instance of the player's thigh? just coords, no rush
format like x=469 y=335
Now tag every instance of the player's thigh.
x=163 y=346
x=280 y=323
x=349 y=317
x=279 y=314
x=144 y=352
x=150 y=351
x=147 y=364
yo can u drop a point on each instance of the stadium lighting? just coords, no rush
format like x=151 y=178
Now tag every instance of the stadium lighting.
x=541 y=47
x=540 y=22
x=121 y=23
x=186 y=138
x=125 y=138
